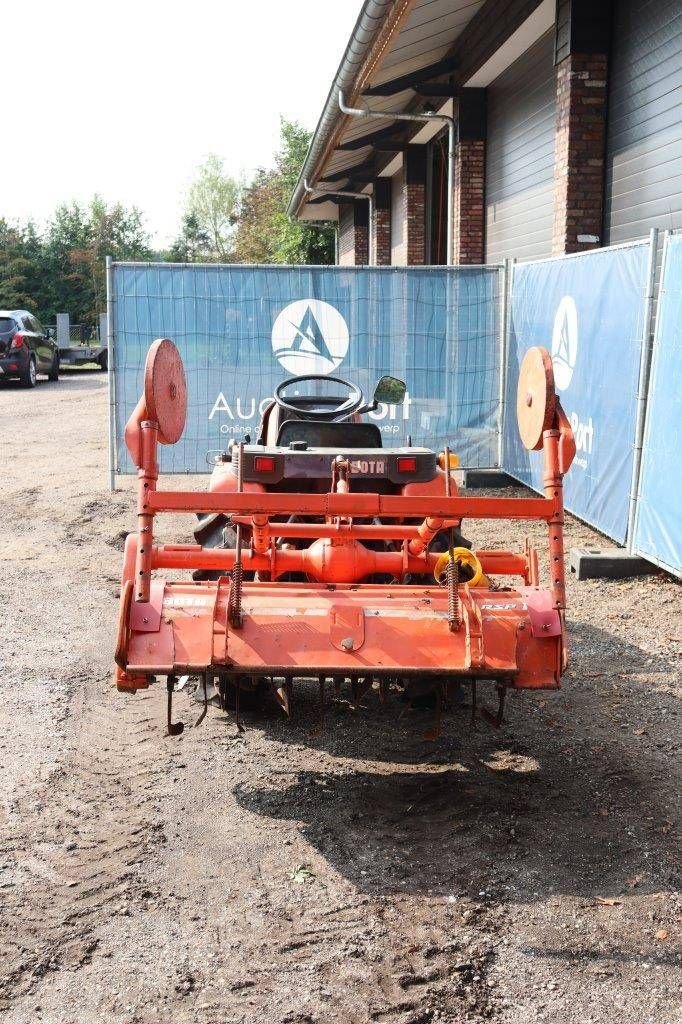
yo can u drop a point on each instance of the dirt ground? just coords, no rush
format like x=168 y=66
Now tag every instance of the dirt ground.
x=287 y=876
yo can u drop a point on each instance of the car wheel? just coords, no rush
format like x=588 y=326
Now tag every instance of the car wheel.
x=104 y=361
x=54 y=369
x=29 y=376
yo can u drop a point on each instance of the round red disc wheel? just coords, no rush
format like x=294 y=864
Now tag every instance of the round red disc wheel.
x=535 y=397
x=165 y=390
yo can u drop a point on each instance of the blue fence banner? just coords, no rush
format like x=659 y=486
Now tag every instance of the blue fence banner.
x=589 y=311
x=658 y=531
x=241 y=330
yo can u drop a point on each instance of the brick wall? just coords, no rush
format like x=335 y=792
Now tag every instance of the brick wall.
x=415 y=204
x=382 y=242
x=415 y=222
x=382 y=222
x=361 y=244
x=579 y=152
x=469 y=202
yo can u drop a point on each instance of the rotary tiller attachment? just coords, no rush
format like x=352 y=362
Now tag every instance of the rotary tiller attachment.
x=343 y=563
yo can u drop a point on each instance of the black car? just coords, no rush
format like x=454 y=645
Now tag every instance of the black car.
x=26 y=349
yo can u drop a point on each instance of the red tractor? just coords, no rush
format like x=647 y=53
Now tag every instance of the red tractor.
x=322 y=554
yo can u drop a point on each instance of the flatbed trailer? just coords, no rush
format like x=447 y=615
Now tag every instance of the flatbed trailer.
x=79 y=355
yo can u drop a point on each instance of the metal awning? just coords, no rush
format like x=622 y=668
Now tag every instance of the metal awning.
x=391 y=39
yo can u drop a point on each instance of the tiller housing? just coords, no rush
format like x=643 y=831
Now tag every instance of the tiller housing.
x=324 y=555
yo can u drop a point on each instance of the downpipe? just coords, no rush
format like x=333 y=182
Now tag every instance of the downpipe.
x=422 y=119
x=368 y=196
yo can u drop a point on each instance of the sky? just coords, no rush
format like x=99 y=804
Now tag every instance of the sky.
x=126 y=98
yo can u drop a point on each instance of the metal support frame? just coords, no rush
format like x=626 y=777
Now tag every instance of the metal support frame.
x=643 y=385
x=111 y=378
x=506 y=283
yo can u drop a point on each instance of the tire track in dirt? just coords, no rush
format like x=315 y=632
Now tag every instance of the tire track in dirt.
x=347 y=944
x=78 y=836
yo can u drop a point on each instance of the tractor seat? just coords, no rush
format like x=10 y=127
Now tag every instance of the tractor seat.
x=329 y=435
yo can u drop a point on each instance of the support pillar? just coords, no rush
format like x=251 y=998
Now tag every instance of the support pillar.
x=415 y=204
x=581 y=96
x=382 y=222
x=469 y=178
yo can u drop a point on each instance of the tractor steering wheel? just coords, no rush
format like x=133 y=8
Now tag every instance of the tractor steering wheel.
x=305 y=407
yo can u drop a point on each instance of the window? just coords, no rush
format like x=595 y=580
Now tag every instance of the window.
x=31 y=324
x=7 y=325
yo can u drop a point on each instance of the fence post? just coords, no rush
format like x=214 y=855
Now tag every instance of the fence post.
x=507 y=268
x=111 y=374
x=643 y=386
x=63 y=330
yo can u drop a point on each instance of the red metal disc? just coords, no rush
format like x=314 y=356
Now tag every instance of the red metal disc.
x=165 y=390
x=535 y=398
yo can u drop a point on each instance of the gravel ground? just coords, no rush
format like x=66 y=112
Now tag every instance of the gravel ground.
x=287 y=876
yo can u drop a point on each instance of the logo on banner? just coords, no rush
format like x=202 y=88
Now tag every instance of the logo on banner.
x=310 y=336
x=565 y=342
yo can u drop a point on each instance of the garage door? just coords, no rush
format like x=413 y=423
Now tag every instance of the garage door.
x=644 y=137
x=520 y=156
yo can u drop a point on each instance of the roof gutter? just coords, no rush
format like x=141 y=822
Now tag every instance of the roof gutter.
x=368 y=28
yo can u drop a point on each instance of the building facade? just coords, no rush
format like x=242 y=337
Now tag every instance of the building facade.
x=565 y=119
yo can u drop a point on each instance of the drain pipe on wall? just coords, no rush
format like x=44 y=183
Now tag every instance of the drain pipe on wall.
x=423 y=119
x=368 y=196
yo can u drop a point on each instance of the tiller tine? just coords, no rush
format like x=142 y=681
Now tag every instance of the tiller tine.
x=172 y=728
x=202 y=690
x=497 y=719
x=237 y=697
x=321 y=727
x=281 y=696
x=433 y=732
x=359 y=687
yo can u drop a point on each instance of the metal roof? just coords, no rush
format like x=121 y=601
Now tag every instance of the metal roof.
x=423 y=31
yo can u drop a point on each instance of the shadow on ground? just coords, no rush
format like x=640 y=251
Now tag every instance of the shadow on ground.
x=562 y=799
x=71 y=379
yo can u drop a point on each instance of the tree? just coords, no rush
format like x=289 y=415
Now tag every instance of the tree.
x=257 y=220
x=193 y=243
x=15 y=267
x=77 y=242
x=63 y=270
x=210 y=209
x=265 y=234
